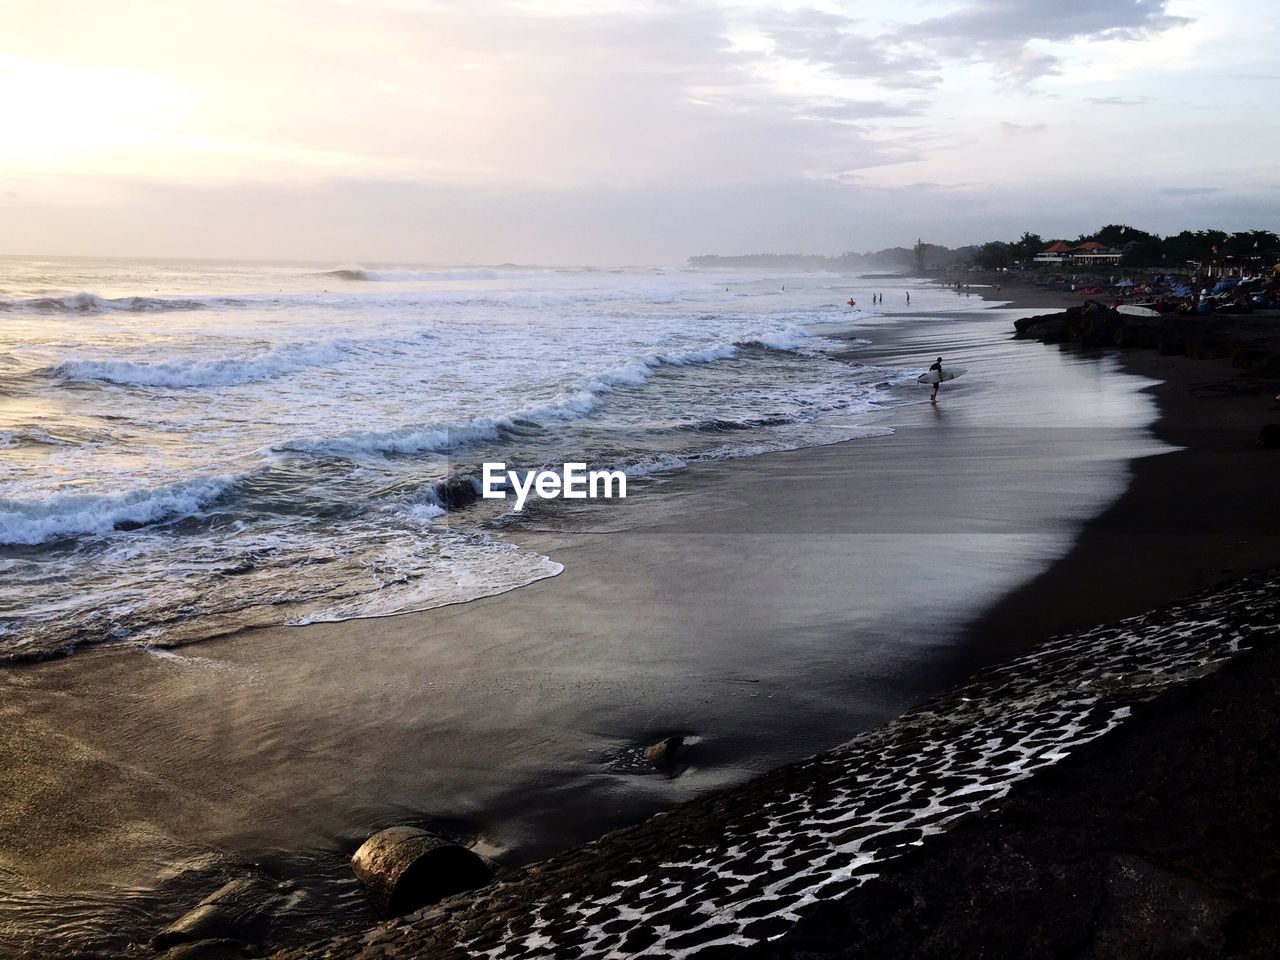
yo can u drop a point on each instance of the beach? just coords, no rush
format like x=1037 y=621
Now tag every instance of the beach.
x=765 y=608
x=1152 y=836
x=546 y=480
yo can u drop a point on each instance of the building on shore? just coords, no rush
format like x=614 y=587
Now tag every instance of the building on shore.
x=1089 y=253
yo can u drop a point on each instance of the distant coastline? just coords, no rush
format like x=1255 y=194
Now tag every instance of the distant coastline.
x=1113 y=246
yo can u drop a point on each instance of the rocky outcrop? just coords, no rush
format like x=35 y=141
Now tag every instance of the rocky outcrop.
x=1250 y=341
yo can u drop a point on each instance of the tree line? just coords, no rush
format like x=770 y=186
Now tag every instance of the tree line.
x=1139 y=249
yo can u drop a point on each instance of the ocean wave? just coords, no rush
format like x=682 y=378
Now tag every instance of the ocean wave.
x=32 y=436
x=362 y=274
x=449 y=438
x=77 y=515
x=92 y=303
x=790 y=340
x=276 y=362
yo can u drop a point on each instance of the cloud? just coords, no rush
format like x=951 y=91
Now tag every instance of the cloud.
x=847 y=48
x=1002 y=32
x=579 y=130
x=1116 y=101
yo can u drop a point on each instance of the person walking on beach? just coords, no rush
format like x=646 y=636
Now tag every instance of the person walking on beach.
x=937 y=365
x=908 y=298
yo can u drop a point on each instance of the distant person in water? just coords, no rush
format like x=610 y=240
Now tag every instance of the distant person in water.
x=933 y=396
x=852 y=302
x=908 y=297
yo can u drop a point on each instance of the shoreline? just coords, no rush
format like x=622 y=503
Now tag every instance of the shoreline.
x=1196 y=517
x=808 y=514
x=1157 y=542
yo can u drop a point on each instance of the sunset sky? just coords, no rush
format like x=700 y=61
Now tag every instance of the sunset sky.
x=567 y=131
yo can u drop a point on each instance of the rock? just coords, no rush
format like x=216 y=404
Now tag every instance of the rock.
x=1269 y=436
x=404 y=868
x=205 y=950
x=1041 y=325
x=237 y=911
x=663 y=753
x=456 y=492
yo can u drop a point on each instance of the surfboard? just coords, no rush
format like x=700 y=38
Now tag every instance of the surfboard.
x=1133 y=310
x=948 y=373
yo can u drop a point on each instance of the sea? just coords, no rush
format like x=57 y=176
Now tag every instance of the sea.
x=189 y=448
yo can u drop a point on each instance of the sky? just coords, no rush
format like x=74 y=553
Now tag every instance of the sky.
x=637 y=132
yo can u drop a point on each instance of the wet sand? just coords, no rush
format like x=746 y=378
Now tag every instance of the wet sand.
x=768 y=608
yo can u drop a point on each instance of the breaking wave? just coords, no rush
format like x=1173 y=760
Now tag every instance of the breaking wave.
x=92 y=303
x=449 y=438
x=361 y=274
x=35 y=436
x=204 y=373
x=77 y=515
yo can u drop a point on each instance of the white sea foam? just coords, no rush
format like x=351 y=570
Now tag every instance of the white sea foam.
x=450 y=437
x=72 y=515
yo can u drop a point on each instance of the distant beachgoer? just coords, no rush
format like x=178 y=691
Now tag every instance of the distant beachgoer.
x=852 y=302
x=908 y=296
x=937 y=365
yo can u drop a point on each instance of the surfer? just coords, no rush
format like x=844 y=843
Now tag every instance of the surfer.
x=852 y=302
x=933 y=397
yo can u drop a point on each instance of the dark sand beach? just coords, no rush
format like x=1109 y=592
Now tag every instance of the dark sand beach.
x=767 y=609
